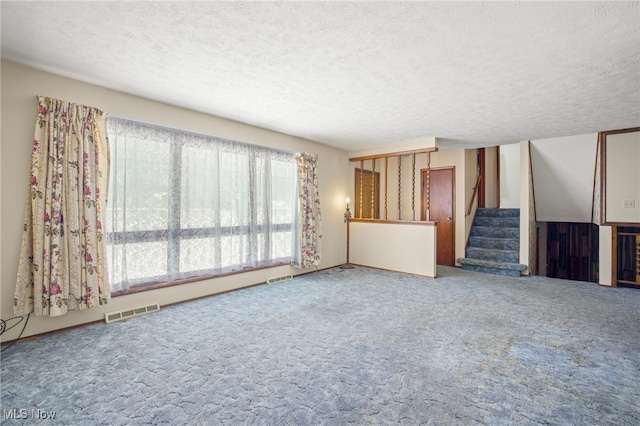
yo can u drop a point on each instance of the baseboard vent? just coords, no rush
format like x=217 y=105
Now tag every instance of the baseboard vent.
x=278 y=279
x=130 y=313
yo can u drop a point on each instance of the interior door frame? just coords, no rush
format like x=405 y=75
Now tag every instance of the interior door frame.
x=423 y=202
x=481 y=165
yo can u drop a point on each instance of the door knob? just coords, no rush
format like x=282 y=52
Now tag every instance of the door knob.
x=448 y=217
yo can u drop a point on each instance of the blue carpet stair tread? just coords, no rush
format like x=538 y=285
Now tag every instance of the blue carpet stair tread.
x=494 y=244
x=498 y=213
x=491 y=264
x=487 y=231
x=497 y=222
x=494 y=255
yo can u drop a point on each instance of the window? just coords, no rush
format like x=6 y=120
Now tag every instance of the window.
x=182 y=205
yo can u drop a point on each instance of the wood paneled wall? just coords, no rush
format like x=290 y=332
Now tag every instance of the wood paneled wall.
x=572 y=251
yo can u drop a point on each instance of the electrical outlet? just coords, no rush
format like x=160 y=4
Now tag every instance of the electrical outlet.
x=629 y=204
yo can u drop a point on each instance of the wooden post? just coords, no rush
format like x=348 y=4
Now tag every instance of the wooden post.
x=386 y=172
x=428 y=186
x=399 y=185
x=361 y=180
x=413 y=186
x=373 y=187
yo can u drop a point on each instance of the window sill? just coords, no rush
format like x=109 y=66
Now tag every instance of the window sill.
x=163 y=284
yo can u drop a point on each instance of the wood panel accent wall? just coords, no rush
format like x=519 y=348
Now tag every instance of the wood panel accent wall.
x=573 y=251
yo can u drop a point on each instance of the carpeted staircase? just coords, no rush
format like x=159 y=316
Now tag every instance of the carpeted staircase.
x=494 y=244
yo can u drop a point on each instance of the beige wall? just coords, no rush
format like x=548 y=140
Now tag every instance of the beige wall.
x=605 y=270
x=510 y=176
x=19 y=87
x=623 y=178
x=491 y=196
x=396 y=247
x=622 y=183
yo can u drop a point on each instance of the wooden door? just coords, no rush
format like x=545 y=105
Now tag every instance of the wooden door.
x=441 y=208
x=370 y=194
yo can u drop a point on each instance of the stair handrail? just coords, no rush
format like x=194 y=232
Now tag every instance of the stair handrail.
x=473 y=196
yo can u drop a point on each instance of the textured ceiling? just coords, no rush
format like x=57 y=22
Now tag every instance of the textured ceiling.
x=354 y=74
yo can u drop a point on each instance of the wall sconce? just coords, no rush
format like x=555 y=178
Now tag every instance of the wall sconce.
x=347 y=213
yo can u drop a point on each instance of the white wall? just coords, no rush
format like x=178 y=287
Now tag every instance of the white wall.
x=396 y=247
x=597 y=190
x=527 y=216
x=510 y=176
x=563 y=171
x=605 y=271
x=623 y=177
x=19 y=87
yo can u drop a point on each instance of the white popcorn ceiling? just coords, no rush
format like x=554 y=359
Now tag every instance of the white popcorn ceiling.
x=354 y=74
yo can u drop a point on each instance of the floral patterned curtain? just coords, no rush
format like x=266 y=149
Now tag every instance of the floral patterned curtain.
x=62 y=258
x=309 y=232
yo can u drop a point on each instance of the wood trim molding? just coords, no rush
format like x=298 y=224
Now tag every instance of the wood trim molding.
x=481 y=166
x=629 y=130
x=163 y=284
x=595 y=174
x=392 y=270
x=628 y=224
x=398 y=222
x=603 y=176
x=533 y=185
x=394 y=154
x=602 y=142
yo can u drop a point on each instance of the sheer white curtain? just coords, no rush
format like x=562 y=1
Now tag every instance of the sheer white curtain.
x=184 y=204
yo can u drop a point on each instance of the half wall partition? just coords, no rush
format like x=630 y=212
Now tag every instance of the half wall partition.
x=386 y=231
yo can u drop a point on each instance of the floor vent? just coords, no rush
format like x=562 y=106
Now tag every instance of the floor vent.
x=278 y=279
x=130 y=313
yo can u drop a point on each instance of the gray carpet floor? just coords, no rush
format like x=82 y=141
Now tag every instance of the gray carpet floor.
x=337 y=347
